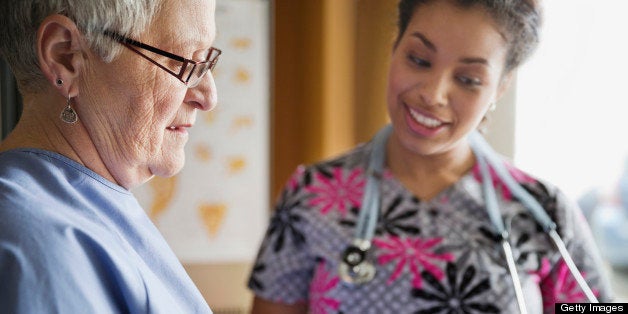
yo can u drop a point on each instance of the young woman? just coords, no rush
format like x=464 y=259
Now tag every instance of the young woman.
x=435 y=246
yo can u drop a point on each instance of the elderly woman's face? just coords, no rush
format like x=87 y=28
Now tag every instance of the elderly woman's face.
x=137 y=114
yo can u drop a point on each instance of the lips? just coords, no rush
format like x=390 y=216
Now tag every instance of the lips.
x=179 y=127
x=424 y=119
x=422 y=123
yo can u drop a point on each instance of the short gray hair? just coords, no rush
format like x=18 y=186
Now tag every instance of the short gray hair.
x=18 y=29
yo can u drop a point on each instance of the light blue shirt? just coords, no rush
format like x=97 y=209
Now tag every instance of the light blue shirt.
x=74 y=242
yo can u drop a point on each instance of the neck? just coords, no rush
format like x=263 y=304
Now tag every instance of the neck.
x=40 y=127
x=426 y=175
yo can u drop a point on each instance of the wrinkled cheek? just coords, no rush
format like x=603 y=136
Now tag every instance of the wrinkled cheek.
x=146 y=139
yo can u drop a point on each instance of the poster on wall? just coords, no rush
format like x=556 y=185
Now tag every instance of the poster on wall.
x=216 y=208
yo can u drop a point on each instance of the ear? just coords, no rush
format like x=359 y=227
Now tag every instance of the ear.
x=59 y=52
x=504 y=84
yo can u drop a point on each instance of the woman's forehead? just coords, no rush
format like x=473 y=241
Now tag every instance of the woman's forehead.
x=187 y=22
x=447 y=25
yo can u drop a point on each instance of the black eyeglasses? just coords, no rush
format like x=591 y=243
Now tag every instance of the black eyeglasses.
x=191 y=71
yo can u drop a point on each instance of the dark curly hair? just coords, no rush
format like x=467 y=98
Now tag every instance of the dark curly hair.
x=519 y=21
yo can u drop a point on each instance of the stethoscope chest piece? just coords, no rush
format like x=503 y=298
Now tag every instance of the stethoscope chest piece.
x=354 y=268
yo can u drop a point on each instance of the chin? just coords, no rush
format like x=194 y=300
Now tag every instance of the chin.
x=419 y=146
x=172 y=172
x=174 y=169
x=168 y=168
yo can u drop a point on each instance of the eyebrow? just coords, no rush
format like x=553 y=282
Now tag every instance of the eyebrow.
x=195 y=39
x=475 y=60
x=195 y=42
x=425 y=41
x=431 y=46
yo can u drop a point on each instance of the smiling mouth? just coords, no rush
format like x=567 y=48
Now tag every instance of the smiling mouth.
x=424 y=120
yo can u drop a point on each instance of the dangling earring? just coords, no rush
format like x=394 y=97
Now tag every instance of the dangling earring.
x=68 y=115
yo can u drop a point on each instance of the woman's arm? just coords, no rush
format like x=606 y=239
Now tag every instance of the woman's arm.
x=559 y=285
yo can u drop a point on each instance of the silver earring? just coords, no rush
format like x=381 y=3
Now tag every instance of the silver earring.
x=68 y=115
x=59 y=82
x=492 y=107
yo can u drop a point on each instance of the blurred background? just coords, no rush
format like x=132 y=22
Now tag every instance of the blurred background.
x=304 y=80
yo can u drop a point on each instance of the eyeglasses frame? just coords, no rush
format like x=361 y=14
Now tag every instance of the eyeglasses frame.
x=131 y=44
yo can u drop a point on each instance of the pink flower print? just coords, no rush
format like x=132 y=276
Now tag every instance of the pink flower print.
x=338 y=191
x=542 y=272
x=414 y=252
x=387 y=174
x=518 y=175
x=322 y=284
x=293 y=182
x=560 y=285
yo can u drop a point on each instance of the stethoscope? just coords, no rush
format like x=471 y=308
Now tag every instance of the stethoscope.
x=356 y=269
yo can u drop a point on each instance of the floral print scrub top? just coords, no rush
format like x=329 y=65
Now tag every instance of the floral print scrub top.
x=437 y=256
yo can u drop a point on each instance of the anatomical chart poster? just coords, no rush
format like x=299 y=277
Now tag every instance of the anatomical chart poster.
x=216 y=208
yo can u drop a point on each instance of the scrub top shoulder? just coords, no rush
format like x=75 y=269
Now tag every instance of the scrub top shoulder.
x=432 y=254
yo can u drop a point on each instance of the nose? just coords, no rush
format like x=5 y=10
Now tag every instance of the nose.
x=435 y=90
x=204 y=95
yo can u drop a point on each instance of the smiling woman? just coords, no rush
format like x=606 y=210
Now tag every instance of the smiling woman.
x=404 y=223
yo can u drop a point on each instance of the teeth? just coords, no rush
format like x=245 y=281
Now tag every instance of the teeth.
x=426 y=121
x=172 y=128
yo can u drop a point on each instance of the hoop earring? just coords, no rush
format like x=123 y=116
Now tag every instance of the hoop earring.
x=68 y=115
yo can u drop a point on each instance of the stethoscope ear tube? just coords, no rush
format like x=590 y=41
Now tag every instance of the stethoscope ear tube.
x=483 y=150
x=560 y=245
x=512 y=268
x=490 y=197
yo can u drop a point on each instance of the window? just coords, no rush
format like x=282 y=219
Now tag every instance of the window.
x=572 y=97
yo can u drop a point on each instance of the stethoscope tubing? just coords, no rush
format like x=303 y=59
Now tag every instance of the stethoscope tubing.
x=483 y=150
x=369 y=213
x=490 y=197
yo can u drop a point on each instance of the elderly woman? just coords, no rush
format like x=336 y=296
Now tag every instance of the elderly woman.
x=110 y=90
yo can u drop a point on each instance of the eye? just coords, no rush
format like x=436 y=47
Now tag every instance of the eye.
x=469 y=81
x=419 y=62
x=174 y=65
